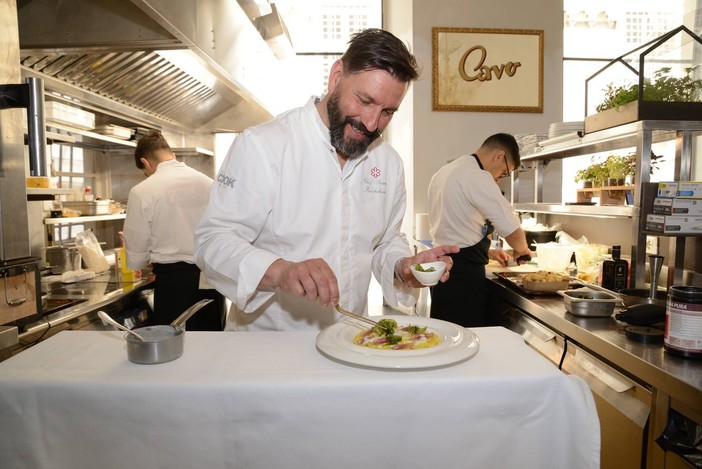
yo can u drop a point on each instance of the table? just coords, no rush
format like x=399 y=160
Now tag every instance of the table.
x=270 y=400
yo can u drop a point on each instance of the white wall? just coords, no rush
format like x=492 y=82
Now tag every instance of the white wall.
x=440 y=136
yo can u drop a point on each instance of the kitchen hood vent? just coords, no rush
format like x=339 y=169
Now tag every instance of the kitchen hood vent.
x=122 y=56
x=142 y=80
x=273 y=30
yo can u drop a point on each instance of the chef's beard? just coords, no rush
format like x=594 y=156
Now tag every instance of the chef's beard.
x=348 y=147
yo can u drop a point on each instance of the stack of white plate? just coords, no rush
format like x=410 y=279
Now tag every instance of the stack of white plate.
x=562 y=134
x=561 y=128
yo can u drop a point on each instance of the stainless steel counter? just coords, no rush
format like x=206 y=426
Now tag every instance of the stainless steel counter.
x=648 y=364
x=79 y=302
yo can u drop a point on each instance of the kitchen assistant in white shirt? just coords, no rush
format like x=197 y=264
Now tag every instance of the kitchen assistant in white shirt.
x=162 y=213
x=462 y=197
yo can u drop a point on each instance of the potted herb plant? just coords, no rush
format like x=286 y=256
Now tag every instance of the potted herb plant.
x=663 y=88
x=664 y=97
x=629 y=177
x=593 y=175
x=617 y=169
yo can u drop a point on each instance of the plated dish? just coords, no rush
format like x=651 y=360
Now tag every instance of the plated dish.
x=457 y=345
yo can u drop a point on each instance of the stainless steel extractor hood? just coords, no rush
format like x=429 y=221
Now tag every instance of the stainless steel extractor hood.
x=196 y=64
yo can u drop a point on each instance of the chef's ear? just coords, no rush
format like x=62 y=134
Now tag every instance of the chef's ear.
x=335 y=75
x=498 y=154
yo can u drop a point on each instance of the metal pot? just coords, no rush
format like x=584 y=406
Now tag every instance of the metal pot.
x=162 y=343
x=545 y=236
x=62 y=259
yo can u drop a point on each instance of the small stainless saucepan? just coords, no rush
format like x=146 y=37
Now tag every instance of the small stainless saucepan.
x=162 y=343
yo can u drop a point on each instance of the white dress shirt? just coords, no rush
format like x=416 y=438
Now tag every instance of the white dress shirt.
x=162 y=213
x=281 y=193
x=461 y=198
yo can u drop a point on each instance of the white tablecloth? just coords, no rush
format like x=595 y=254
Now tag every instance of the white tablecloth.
x=270 y=400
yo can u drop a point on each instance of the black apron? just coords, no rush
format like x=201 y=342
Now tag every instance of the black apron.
x=462 y=298
x=176 y=288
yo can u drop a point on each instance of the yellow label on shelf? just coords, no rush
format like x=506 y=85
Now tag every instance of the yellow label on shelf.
x=41 y=182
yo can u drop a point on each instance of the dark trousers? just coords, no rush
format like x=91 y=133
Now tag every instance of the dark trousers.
x=176 y=288
x=462 y=298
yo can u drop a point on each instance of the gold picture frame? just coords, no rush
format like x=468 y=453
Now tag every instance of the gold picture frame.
x=487 y=70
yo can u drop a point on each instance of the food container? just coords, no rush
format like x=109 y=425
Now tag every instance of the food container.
x=62 y=259
x=553 y=257
x=115 y=131
x=96 y=207
x=586 y=302
x=69 y=115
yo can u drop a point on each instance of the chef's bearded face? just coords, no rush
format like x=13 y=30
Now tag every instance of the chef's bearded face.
x=349 y=147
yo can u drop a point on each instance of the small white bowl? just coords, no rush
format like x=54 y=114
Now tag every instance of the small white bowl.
x=429 y=279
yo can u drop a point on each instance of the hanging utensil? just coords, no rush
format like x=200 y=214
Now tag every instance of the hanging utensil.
x=106 y=317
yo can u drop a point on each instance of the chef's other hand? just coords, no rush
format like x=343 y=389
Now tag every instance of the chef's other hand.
x=311 y=278
x=499 y=255
x=439 y=253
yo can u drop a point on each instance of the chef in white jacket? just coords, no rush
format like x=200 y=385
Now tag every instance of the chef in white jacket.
x=307 y=206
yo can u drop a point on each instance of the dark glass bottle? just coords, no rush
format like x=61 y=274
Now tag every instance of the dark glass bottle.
x=615 y=271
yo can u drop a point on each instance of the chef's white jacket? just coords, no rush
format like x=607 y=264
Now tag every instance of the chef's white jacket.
x=461 y=197
x=162 y=213
x=281 y=193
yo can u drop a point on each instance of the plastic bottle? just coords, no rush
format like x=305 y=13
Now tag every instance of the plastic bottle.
x=121 y=256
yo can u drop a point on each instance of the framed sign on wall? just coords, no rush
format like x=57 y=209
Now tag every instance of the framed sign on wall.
x=487 y=70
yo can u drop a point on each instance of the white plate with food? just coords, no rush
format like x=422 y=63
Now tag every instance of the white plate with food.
x=456 y=344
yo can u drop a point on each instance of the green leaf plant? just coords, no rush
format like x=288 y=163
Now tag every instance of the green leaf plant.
x=664 y=88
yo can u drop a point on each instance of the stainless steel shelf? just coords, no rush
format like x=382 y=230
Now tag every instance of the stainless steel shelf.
x=40 y=193
x=600 y=211
x=72 y=131
x=616 y=138
x=640 y=135
x=86 y=219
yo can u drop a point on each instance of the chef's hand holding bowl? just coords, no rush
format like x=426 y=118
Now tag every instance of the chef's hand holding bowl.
x=437 y=254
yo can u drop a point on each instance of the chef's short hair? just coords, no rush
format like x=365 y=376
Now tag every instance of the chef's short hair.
x=148 y=145
x=508 y=144
x=377 y=49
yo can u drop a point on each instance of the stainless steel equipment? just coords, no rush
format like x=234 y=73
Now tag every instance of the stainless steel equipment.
x=61 y=259
x=20 y=292
x=20 y=298
x=149 y=60
x=585 y=302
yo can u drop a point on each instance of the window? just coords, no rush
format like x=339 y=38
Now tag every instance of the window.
x=320 y=30
x=74 y=168
x=594 y=33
